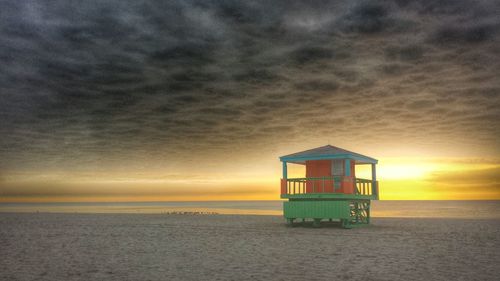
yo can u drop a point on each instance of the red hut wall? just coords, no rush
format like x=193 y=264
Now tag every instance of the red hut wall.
x=319 y=168
x=323 y=168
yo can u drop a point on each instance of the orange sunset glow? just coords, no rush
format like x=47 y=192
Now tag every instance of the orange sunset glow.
x=401 y=179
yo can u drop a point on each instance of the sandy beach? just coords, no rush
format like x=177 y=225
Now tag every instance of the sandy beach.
x=234 y=247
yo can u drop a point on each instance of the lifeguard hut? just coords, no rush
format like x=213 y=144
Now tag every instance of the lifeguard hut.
x=330 y=189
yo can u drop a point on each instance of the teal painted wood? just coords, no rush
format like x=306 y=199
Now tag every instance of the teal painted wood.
x=341 y=196
x=374 y=181
x=326 y=152
x=326 y=157
x=347 y=163
x=338 y=209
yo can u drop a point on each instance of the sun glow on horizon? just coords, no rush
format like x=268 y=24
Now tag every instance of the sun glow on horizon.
x=400 y=178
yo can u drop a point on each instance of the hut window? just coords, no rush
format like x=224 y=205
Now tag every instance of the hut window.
x=338 y=167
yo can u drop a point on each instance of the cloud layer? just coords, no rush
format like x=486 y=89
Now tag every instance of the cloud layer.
x=154 y=84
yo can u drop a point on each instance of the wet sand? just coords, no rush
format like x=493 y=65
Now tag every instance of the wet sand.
x=233 y=247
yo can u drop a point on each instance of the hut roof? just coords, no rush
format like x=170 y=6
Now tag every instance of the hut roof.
x=327 y=152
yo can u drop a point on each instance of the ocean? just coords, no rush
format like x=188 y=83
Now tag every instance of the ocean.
x=389 y=208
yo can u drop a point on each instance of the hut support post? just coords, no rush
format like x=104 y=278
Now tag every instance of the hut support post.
x=285 y=172
x=374 y=181
x=347 y=167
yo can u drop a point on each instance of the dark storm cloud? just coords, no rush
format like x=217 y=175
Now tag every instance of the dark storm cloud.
x=256 y=76
x=408 y=53
x=317 y=85
x=367 y=17
x=311 y=54
x=469 y=34
x=98 y=84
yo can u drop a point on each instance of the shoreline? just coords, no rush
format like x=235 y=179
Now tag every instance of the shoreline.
x=194 y=214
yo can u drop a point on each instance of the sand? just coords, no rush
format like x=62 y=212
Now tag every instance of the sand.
x=233 y=247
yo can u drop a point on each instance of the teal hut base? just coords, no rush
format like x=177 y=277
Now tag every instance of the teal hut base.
x=350 y=212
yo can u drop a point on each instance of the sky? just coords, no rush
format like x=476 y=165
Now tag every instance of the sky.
x=196 y=100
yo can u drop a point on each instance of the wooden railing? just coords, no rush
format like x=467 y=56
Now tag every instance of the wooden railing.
x=329 y=185
x=312 y=185
x=296 y=186
x=365 y=187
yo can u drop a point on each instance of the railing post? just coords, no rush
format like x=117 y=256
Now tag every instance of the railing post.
x=374 y=181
